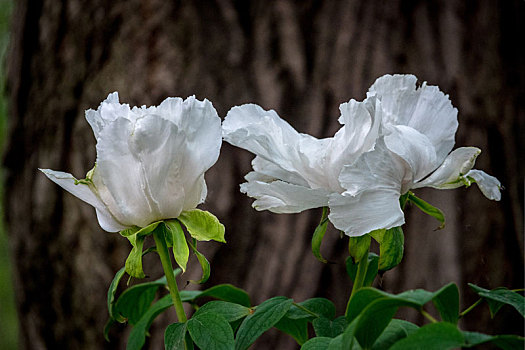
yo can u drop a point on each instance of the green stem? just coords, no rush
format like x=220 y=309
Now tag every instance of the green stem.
x=162 y=250
x=362 y=266
x=429 y=316
x=470 y=308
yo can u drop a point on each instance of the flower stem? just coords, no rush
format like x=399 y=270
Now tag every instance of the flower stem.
x=428 y=316
x=359 y=281
x=162 y=250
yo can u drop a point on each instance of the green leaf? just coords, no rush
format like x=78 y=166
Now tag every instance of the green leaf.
x=181 y=252
x=318 y=343
x=319 y=306
x=391 y=248
x=318 y=235
x=505 y=342
x=211 y=331
x=428 y=209
x=324 y=327
x=205 y=265
x=137 y=337
x=371 y=272
x=230 y=311
x=144 y=231
x=225 y=292
x=358 y=247
x=174 y=337
x=395 y=331
x=446 y=301
x=266 y=315
x=134 y=260
x=111 y=295
x=500 y=296
x=296 y=328
x=433 y=336
x=135 y=301
x=202 y=225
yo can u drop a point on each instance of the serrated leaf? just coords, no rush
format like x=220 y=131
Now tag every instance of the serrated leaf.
x=358 y=247
x=230 y=311
x=318 y=306
x=181 y=251
x=446 y=301
x=433 y=336
x=391 y=248
x=211 y=331
x=371 y=271
x=297 y=329
x=205 y=265
x=137 y=337
x=174 y=337
x=318 y=235
x=505 y=342
x=395 y=331
x=134 y=302
x=324 y=327
x=202 y=225
x=500 y=296
x=318 y=343
x=266 y=315
x=428 y=208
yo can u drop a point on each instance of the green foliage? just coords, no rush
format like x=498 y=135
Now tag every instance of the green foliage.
x=358 y=247
x=318 y=235
x=391 y=247
x=202 y=225
x=230 y=311
x=138 y=334
x=211 y=331
x=296 y=328
x=434 y=336
x=395 y=331
x=174 y=337
x=225 y=292
x=498 y=297
x=371 y=272
x=205 y=265
x=325 y=327
x=181 y=252
x=428 y=209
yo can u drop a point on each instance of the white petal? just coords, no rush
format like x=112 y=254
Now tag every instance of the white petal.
x=425 y=109
x=414 y=148
x=370 y=210
x=273 y=171
x=85 y=193
x=449 y=174
x=109 y=110
x=281 y=197
x=489 y=185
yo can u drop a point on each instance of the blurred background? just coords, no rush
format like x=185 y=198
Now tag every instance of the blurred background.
x=301 y=58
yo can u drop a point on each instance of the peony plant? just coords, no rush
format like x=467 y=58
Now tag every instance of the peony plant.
x=149 y=178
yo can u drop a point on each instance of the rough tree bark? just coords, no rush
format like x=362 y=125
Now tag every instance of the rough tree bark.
x=301 y=58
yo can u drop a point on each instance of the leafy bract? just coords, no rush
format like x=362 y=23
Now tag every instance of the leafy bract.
x=202 y=225
x=181 y=251
x=318 y=235
x=371 y=271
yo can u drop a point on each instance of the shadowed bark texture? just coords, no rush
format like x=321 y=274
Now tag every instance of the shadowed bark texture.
x=300 y=58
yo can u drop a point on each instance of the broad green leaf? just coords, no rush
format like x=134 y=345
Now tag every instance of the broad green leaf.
x=318 y=343
x=230 y=311
x=111 y=295
x=205 y=265
x=211 y=331
x=428 y=209
x=500 y=296
x=137 y=337
x=134 y=260
x=174 y=337
x=225 y=292
x=181 y=252
x=324 y=327
x=202 y=225
x=338 y=343
x=266 y=315
x=371 y=272
x=358 y=247
x=391 y=248
x=395 y=331
x=505 y=342
x=433 y=336
x=134 y=302
x=144 y=231
x=298 y=328
x=318 y=235
x=446 y=301
x=318 y=306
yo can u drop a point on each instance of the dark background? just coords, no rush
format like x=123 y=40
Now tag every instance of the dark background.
x=301 y=58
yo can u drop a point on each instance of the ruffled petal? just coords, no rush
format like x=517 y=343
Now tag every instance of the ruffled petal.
x=109 y=110
x=368 y=211
x=489 y=185
x=282 y=197
x=426 y=109
x=274 y=172
x=88 y=195
x=449 y=174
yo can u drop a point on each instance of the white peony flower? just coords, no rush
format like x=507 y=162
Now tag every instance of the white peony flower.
x=150 y=161
x=412 y=151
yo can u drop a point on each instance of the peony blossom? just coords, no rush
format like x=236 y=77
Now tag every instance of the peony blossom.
x=397 y=139
x=150 y=161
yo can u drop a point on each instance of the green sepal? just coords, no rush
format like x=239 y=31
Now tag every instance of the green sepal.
x=358 y=247
x=428 y=208
x=391 y=247
x=181 y=251
x=318 y=235
x=205 y=265
x=136 y=237
x=202 y=225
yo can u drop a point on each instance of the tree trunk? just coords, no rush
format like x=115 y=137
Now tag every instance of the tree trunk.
x=300 y=58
